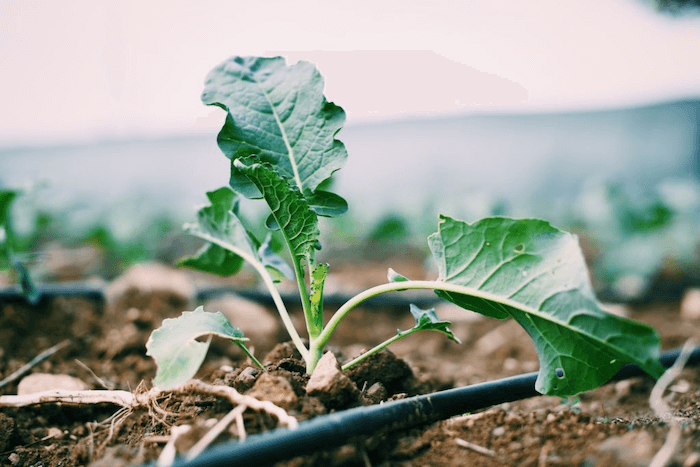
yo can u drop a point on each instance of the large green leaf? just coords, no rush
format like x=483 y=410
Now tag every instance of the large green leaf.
x=535 y=273
x=279 y=113
x=291 y=213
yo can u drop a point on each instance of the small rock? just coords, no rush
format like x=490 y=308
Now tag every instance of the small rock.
x=617 y=309
x=498 y=431
x=375 y=394
x=513 y=418
x=692 y=460
x=133 y=288
x=623 y=388
x=690 y=305
x=54 y=432
x=330 y=385
x=40 y=382
x=275 y=389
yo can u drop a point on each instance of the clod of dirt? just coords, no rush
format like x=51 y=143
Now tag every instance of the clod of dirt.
x=256 y=322
x=284 y=350
x=330 y=385
x=375 y=394
x=383 y=367
x=40 y=382
x=275 y=389
x=7 y=428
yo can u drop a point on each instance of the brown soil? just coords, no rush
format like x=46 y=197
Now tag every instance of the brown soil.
x=613 y=425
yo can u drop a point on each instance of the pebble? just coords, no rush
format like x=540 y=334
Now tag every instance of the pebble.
x=498 y=431
x=692 y=460
x=149 y=278
x=623 y=388
x=329 y=384
x=690 y=304
x=40 y=382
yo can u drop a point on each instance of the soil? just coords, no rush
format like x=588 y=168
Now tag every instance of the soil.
x=613 y=425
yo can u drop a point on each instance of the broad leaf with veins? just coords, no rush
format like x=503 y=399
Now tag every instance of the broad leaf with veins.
x=279 y=114
x=290 y=211
x=535 y=273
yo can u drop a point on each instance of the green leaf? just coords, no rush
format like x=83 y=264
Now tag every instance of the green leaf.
x=230 y=242
x=297 y=222
x=6 y=234
x=327 y=204
x=427 y=320
x=536 y=273
x=278 y=113
x=394 y=276
x=318 y=279
x=177 y=352
x=213 y=259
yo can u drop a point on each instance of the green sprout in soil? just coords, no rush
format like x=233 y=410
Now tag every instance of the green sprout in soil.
x=279 y=135
x=10 y=258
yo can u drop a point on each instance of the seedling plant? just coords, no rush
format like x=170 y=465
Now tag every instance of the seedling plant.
x=280 y=137
x=10 y=257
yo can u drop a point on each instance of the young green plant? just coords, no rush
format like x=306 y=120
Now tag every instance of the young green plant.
x=279 y=135
x=9 y=257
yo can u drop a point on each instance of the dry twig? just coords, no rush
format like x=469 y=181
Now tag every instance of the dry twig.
x=34 y=361
x=663 y=410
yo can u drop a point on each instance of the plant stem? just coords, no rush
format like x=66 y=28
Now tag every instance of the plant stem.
x=269 y=283
x=250 y=355
x=373 y=350
x=395 y=287
x=286 y=319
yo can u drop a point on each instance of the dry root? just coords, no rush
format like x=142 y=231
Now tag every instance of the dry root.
x=149 y=399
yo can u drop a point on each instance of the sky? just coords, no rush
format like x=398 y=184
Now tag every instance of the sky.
x=86 y=70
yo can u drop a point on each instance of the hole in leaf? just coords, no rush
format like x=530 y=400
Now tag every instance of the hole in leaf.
x=519 y=248
x=559 y=372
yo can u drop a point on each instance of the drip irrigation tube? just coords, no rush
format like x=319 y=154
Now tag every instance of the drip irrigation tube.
x=339 y=428
x=53 y=290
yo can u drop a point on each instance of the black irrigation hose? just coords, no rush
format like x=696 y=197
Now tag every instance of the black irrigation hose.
x=329 y=431
x=53 y=290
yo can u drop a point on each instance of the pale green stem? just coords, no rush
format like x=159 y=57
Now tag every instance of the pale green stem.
x=373 y=350
x=286 y=319
x=269 y=283
x=393 y=287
